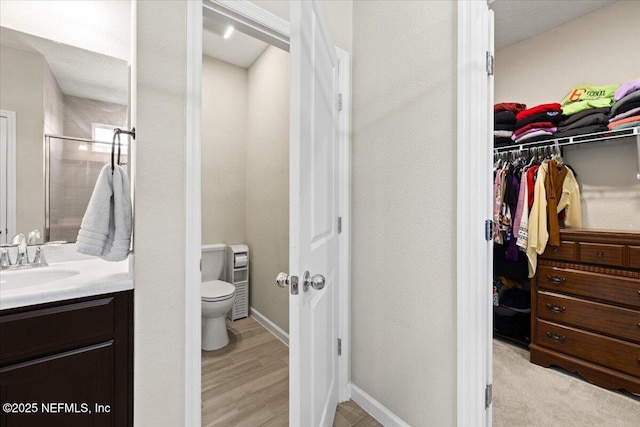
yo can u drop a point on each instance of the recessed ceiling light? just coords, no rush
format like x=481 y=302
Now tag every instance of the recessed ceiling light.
x=227 y=33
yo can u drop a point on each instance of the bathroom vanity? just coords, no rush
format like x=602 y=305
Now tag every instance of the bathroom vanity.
x=66 y=346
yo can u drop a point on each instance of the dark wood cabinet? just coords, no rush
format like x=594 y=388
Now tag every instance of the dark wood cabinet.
x=68 y=363
x=585 y=302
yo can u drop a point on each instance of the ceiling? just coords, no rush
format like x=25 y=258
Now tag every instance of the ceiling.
x=517 y=20
x=239 y=49
x=79 y=72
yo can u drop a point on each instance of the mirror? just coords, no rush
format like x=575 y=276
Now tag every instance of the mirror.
x=64 y=86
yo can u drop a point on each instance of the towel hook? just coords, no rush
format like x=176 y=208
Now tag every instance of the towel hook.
x=116 y=135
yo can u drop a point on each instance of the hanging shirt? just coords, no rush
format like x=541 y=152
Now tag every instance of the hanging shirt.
x=538 y=234
x=553 y=187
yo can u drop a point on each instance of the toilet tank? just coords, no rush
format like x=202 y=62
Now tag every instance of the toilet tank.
x=213 y=262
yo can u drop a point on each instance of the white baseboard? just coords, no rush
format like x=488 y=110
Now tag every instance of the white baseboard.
x=269 y=326
x=375 y=408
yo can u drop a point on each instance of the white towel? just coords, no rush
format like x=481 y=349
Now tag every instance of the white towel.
x=106 y=227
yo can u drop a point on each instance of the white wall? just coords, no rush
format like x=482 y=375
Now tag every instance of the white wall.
x=81 y=113
x=589 y=50
x=54 y=108
x=267 y=215
x=404 y=207
x=224 y=129
x=160 y=224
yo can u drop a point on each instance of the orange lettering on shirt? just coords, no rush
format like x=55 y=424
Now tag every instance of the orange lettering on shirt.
x=576 y=94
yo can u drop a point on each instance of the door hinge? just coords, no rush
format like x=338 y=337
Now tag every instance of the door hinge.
x=490 y=63
x=339 y=347
x=339 y=224
x=488 y=227
x=487 y=395
x=200 y=265
x=339 y=102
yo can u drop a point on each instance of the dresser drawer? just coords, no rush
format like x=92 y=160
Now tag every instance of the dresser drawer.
x=634 y=257
x=618 y=290
x=66 y=326
x=565 y=252
x=600 y=253
x=610 y=352
x=594 y=316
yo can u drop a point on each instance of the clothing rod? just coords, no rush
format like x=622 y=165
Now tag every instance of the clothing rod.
x=572 y=140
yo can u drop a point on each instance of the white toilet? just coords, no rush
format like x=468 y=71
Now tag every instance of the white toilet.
x=217 y=298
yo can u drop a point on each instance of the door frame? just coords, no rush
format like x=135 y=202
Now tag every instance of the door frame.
x=474 y=255
x=10 y=195
x=261 y=24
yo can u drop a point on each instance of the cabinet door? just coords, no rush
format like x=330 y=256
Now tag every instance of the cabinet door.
x=69 y=389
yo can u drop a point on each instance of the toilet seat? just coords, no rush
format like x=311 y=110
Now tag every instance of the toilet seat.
x=217 y=290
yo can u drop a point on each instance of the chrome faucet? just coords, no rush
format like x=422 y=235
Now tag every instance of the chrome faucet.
x=22 y=259
x=33 y=238
x=21 y=242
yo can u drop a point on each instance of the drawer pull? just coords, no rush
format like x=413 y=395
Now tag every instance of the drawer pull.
x=555 y=337
x=600 y=254
x=559 y=309
x=559 y=280
x=556 y=250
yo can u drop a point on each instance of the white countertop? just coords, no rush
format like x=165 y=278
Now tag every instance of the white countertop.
x=95 y=277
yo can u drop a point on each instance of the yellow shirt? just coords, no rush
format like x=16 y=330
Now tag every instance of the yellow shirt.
x=569 y=200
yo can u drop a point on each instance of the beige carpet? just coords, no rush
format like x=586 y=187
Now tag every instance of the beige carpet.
x=529 y=395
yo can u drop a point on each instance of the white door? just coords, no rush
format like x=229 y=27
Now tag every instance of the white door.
x=489 y=30
x=7 y=175
x=313 y=238
x=4 y=144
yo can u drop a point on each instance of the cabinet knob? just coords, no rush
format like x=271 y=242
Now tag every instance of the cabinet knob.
x=555 y=337
x=600 y=254
x=558 y=308
x=558 y=280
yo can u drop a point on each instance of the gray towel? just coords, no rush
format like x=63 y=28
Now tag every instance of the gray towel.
x=106 y=227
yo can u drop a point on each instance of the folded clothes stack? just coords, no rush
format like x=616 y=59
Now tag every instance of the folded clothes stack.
x=504 y=122
x=586 y=110
x=537 y=123
x=625 y=112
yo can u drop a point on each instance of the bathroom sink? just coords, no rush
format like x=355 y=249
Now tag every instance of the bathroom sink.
x=17 y=279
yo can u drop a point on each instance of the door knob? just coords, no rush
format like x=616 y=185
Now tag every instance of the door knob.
x=316 y=282
x=283 y=280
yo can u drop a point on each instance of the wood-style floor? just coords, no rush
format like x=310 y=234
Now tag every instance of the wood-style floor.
x=247 y=382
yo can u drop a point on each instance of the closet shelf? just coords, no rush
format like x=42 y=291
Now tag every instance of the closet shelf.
x=571 y=140
x=578 y=139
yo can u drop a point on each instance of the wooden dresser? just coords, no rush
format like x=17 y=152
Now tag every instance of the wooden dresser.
x=585 y=307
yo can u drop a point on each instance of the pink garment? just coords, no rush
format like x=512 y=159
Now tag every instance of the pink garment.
x=515 y=137
x=629 y=113
x=497 y=205
x=517 y=219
